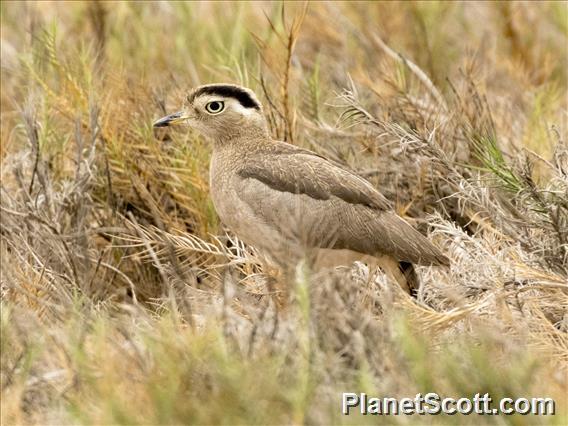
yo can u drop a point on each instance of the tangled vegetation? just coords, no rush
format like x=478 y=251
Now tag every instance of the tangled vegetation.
x=125 y=301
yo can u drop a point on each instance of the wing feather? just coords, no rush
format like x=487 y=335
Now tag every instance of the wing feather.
x=369 y=224
x=295 y=170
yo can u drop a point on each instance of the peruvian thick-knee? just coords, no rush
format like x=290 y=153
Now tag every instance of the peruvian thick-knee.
x=272 y=194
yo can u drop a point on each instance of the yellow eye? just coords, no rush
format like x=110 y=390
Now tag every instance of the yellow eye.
x=215 y=107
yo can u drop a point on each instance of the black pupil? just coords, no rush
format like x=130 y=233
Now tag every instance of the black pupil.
x=215 y=106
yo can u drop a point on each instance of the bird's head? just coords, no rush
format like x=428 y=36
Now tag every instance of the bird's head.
x=220 y=112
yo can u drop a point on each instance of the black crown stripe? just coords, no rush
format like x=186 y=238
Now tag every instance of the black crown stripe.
x=242 y=96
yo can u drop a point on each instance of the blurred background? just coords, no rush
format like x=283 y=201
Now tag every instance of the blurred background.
x=124 y=300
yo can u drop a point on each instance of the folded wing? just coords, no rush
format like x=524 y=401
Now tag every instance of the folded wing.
x=332 y=194
x=300 y=171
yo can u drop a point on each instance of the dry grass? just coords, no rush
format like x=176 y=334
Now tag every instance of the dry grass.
x=125 y=301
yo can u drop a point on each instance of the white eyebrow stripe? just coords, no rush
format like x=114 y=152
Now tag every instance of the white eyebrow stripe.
x=232 y=103
x=236 y=106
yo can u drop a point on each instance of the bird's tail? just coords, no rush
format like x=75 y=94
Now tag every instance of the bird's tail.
x=401 y=271
x=411 y=277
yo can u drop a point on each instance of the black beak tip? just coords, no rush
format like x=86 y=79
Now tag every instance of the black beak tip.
x=168 y=119
x=163 y=122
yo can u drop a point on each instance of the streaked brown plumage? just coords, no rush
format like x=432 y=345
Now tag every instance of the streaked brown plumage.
x=269 y=192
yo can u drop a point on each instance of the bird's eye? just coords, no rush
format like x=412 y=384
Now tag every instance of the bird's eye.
x=215 y=107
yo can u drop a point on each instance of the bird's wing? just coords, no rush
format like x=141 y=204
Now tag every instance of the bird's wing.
x=287 y=170
x=295 y=170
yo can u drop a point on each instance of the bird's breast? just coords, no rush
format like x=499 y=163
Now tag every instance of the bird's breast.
x=222 y=181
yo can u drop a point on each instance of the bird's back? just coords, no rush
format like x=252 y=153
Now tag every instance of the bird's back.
x=279 y=192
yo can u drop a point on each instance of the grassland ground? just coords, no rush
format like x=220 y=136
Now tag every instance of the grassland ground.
x=124 y=300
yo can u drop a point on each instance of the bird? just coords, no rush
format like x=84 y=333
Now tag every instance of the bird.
x=270 y=193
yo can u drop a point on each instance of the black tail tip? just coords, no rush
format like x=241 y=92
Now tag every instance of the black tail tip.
x=411 y=276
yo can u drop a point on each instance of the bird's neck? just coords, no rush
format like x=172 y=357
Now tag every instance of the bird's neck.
x=241 y=140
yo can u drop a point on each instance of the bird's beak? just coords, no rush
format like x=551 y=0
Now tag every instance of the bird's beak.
x=171 y=120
